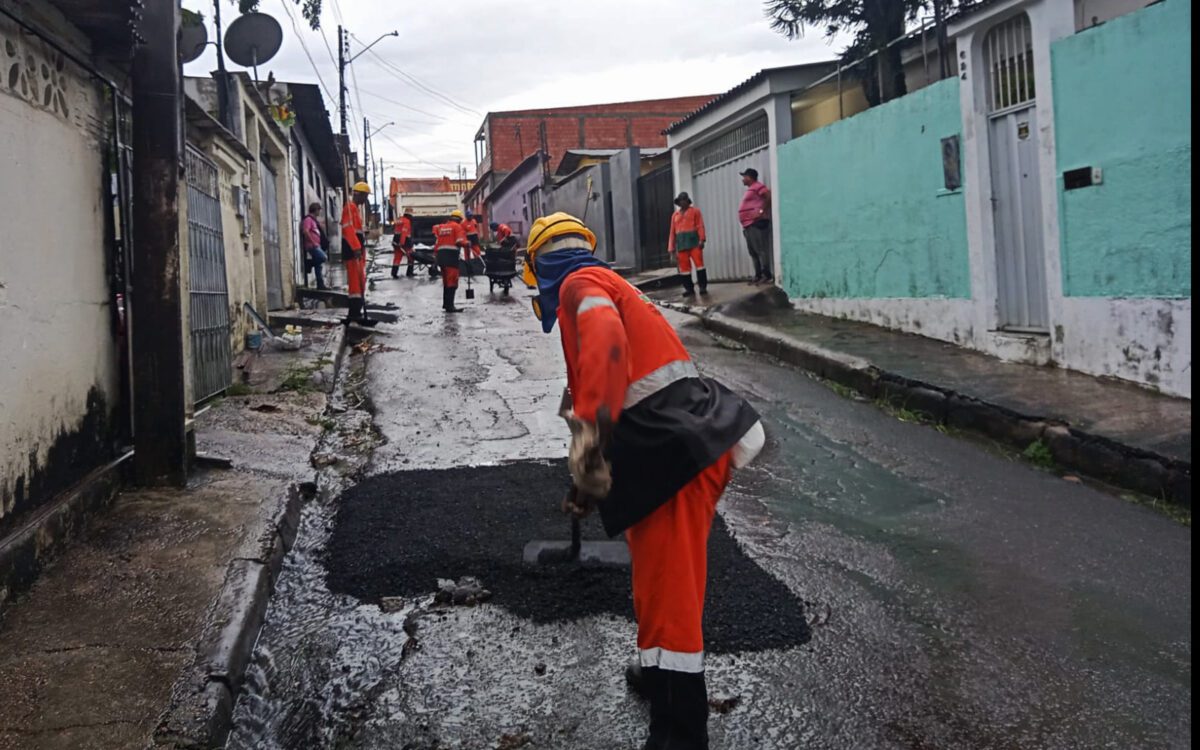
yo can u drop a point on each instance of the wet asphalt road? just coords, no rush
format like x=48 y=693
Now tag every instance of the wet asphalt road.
x=957 y=599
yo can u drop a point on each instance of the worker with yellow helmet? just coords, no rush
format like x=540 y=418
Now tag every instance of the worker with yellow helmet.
x=673 y=437
x=354 y=250
x=449 y=241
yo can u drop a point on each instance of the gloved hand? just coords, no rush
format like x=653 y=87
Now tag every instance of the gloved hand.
x=590 y=470
x=578 y=504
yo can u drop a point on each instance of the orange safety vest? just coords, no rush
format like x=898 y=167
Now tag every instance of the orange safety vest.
x=352 y=224
x=687 y=229
x=403 y=229
x=449 y=234
x=503 y=232
x=670 y=423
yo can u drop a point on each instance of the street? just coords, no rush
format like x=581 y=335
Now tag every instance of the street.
x=873 y=583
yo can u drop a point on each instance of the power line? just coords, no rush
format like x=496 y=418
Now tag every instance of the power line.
x=304 y=47
x=413 y=154
x=381 y=97
x=414 y=81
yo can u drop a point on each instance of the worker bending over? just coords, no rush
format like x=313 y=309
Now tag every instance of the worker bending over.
x=503 y=234
x=449 y=242
x=675 y=438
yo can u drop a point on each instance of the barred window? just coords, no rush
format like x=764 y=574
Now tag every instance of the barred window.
x=732 y=144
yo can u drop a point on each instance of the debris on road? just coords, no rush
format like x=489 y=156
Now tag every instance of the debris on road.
x=391 y=604
x=724 y=705
x=468 y=591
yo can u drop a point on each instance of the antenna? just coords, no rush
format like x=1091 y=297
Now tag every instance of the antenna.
x=252 y=39
x=192 y=41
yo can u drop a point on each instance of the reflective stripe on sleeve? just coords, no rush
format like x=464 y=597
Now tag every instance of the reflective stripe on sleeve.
x=593 y=302
x=676 y=661
x=659 y=379
x=748 y=448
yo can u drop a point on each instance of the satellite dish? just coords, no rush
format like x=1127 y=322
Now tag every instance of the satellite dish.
x=192 y=41
x=252 y=39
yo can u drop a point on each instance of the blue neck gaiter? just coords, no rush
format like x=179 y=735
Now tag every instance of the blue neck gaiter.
x=552 y=269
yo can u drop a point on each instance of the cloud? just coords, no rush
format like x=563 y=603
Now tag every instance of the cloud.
x=484 y=55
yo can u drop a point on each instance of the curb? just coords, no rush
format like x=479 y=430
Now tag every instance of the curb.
x=200 y=714
x=1101 y=458
x=201 y=711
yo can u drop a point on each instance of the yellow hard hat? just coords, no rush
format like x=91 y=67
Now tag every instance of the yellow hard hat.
x=547 y=228
x=362 y=187
x=456 y=214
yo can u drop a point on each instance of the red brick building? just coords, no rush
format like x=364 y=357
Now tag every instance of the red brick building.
x=506 y=139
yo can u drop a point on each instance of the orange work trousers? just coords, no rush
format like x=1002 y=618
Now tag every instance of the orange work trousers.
x=669 y=550
x=356 y=276
x=687 y=257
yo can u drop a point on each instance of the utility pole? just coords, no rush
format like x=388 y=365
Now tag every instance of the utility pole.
x=366 y=134
x=159 y=399
x=222 y=75
x=341 y=77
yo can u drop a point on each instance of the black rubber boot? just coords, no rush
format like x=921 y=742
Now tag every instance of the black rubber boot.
x=702 y=277
x=654 y=684
x=409 y=272
x=395 y=272
x=355 y=313
x=689 y=288
x=635 y=679
x=448 y=294
x=687 y=706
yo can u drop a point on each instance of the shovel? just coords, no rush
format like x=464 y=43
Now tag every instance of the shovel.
x=545 y=552
x=470 y=275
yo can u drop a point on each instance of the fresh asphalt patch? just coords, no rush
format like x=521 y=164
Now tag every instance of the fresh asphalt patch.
x=398 y=534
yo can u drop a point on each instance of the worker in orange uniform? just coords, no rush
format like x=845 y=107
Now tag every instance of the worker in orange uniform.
x=503 y=235
x=686 y=241
x=449 y=243
x=675 y=438
x=354 y=250
x=471 y=227
x=402 y=243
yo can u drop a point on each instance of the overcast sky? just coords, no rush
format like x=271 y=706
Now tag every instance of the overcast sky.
x=494 y=55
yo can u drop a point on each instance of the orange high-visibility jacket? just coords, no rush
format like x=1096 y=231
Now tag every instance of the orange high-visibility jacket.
x=670 y=423
x=471 y=227
x=503 y=232
x=449 y=234
x=352 y=224
x=687 y=230
x=403 y=229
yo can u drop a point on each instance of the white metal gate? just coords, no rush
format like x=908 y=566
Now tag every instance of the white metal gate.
x=208 y=298
x=1016 y=194
x=270 y=222
x=717 y=191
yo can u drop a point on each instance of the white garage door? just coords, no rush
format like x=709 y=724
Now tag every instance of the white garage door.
x=717 y=191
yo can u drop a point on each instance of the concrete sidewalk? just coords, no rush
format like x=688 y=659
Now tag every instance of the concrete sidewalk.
x=161 y=597
x=1103 y=428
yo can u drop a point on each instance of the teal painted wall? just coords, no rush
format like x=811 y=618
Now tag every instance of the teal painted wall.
x=863 y=212
x=1122 y=102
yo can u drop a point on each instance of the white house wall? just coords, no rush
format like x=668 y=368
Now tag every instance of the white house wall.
x=59 y=387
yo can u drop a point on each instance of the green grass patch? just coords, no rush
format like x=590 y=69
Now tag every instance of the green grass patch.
x=1038 y=454
x=238 y=389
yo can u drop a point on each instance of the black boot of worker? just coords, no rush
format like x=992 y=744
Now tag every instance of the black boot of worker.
x=395 y=272
x=689 y=288
x=702 y=277
x=654 y=689
x=687 y=707
x=635 y=679
x=448 y=294
x=409 y=272
x=356 y=310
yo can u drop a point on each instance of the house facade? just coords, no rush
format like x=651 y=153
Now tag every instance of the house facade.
x=1034 y=206
x=64 y=183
